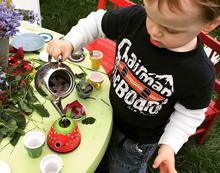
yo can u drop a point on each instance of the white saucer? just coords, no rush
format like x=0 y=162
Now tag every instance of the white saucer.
x=44 y=57
x=4 y=167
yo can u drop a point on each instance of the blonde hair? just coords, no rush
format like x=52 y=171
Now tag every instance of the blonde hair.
x=210 y=8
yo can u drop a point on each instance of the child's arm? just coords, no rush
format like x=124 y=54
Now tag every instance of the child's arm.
x=183 y=123
x=165 y=159
x=86 y=31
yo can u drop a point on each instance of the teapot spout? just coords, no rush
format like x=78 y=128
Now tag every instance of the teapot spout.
x=57 y=104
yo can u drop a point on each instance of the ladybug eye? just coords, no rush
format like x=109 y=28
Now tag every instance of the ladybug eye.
x=57 y=144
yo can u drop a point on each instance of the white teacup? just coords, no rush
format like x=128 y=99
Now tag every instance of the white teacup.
x=51 y=163
x=96 y=79
x=33 y=142
x=4 y=167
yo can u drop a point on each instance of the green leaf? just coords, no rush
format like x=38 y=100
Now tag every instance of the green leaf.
x=21 y=131
x=17 y=78
x=15 y=138
x=81 y=75
x=12 y=124
x=68 y=112
x=40 y=109
x=31 y=97
x=23 y=104
x=11 y=109
x=89 y=120
x=4 y=131
x=20 y=121
x=1 y=138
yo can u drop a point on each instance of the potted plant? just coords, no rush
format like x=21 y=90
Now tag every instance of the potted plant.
x=10 y=19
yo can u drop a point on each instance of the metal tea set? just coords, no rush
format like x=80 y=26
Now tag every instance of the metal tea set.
x=64 y=126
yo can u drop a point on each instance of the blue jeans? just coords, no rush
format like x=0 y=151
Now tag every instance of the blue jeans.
x=126 y=156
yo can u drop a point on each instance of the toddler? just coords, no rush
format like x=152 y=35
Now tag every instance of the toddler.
x=162 y=79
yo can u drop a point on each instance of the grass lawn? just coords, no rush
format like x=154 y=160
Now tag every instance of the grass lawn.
x=61 y=15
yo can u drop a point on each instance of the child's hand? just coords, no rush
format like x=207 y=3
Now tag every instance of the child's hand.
x=60 y=47
x=165 y=160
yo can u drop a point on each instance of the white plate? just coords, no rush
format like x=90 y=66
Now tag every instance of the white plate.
x=29 y=41
x=4 y=168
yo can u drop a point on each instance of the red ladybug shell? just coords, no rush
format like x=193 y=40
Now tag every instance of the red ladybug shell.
x=63 y=143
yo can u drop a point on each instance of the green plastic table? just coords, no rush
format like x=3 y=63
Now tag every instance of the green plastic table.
x=94 y=137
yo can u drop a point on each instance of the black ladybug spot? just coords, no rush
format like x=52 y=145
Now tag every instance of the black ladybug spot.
x=57 y=144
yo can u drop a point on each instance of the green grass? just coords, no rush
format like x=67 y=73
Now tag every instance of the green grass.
x=61 y=15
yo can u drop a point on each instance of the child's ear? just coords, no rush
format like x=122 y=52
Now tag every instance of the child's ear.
x=211 y=25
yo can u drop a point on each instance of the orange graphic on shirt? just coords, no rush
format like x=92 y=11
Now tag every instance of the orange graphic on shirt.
x=144 y=91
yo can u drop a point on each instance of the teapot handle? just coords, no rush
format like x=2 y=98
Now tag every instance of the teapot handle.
x=49 y=58
x=60 y=59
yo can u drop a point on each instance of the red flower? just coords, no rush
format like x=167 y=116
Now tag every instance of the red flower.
x=20 y=66
x=19 y=54
x=12 y=49
x=28 y=67
x=22 y=82
x=12 y=61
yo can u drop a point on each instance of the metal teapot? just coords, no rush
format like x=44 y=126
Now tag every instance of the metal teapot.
x=55 y=81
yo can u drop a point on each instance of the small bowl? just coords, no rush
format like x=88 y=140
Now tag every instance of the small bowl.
x=84 y=89
x=77 y=56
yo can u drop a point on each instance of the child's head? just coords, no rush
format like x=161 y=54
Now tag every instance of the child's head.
x=210 y=9
x=174 y=24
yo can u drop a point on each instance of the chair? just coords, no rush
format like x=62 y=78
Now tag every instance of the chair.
x=214 y=106
x=105 y=45
x=29 y=5
x=108 y=48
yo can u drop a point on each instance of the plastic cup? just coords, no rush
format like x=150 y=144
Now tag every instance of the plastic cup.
x=96 y=79
x=51 y=163
x=96 y=59
x=33 y=142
